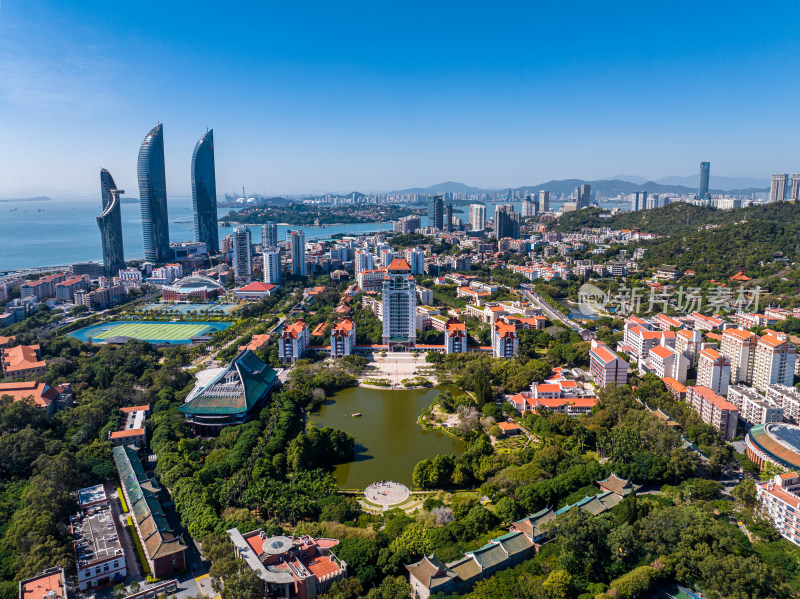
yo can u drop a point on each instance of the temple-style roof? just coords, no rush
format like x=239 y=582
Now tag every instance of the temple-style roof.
x=431 y=571
x=617 y=485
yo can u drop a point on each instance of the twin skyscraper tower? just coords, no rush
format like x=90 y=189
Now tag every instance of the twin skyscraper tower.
x=151 y=173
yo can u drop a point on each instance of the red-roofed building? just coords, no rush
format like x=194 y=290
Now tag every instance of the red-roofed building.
x=455 y=337
x=664 y=361
x=257 y=342
x=713 y=371
x=774 y=362
x=255 y=291
x=289 y=567
x=779 y=500
x=399 y=306
x=687 y=342
x=676 y=388
x=509 y=428
x=714 y=410
x=607 y=368
x=504 y=339
x=739 y=347
x=23 y=361
x=293 y=342
x=6 y=341
x=50 y=584
x=343 y=338
x=705 y=323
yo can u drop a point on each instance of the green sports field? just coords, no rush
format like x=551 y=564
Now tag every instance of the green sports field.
x=152 y=331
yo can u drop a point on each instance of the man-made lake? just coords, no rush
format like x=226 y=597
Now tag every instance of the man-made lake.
x=389 y=442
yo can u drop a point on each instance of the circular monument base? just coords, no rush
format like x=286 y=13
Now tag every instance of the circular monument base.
x=387 y=493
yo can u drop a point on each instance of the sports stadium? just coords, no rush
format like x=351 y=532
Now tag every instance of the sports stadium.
x=775 y=442
x=194 y=287
x=119 y=331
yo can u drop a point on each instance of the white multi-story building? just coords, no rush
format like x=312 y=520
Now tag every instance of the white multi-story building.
x=774 y=362
x=713 y=371
x=714 y=410
x=298 y=245
x=293 y=342
x=371 y=280
x=665 y=361
x=477 y=216
x=242 y=254
x=269 y=235
x=343 y=338
x=416 y=260
x=455 y=337
x=754 y=408
x=386 y=255
x=98 y=550
x=779 y=500
x=363 y=261
x=788 y=398
x=130 y=274
x=739 y=347
x=688 y=343
x=272 y=266
x=399 y=296
x=504 y=339
x=607 y=368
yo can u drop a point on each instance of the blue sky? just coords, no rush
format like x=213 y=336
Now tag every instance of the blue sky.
x=312 y=96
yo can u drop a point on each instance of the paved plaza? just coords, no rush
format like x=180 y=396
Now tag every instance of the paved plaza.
x=397 y=366
x=387 y=493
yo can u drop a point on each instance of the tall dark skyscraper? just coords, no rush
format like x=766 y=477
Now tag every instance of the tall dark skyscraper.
x=153 y=197
x=204 y=193
x=110 y=223
x=702 y=189
x=507 y=223
x=436 y=211
x=448 y=218
x=583 y=196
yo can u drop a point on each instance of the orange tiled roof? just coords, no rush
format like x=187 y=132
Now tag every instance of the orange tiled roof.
x=22 y=357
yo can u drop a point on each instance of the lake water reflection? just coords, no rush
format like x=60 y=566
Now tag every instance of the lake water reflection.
x=389 y=440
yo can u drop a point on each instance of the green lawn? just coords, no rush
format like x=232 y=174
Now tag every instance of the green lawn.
x=166 y=331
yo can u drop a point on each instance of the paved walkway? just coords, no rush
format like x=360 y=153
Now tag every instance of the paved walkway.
x=396 y=367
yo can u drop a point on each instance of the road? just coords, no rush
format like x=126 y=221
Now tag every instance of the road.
x=551 y=313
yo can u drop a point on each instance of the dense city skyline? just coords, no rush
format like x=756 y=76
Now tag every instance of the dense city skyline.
x=325 y=100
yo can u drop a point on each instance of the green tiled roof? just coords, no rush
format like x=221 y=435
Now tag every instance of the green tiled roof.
x=256 y=377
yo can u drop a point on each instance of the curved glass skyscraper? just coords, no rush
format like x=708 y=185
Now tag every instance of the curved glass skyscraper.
x=153 y=197
x=204 y=193
x=110 y=223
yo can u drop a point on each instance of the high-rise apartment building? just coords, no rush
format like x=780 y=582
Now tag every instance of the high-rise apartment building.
x=436 y=211
x=448 y=218
x=272 y=266
x=399 y=305
x=204 y=193
x=363 y=261
x=416 y=260
x=777 y=188
x=607 y=368
x=242 y=254
x=298 y=243
x=343 y=338
x=794 y=195
x=110 y=224
x=583 y=196
x=702 y=188
x=652 y=201
x=527 y=209
x=544 y=200
x=507 y=222
x=153 y=197
x=638 y=201
x=269 y=235
x=774 y=362
x=713 y=371
x=477 y=216
x=739 y=346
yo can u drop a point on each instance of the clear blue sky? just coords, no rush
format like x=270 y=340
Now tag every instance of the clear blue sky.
x=310 y=96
